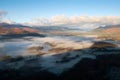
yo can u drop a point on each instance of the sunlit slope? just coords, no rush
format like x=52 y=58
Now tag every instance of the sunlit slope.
x=108 y=32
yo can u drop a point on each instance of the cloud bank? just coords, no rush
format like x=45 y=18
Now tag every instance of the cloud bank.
x=81 y=22
x=86 y=22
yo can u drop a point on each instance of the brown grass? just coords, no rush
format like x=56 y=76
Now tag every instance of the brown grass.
x=2 y=58
x=103 y=45
x=59 y=50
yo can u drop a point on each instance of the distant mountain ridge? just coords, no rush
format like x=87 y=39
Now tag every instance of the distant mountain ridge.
x=6 y=29
x=108 y=29
x=58 y=28
x=110 y=26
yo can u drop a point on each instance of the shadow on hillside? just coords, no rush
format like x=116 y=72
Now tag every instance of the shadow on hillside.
x=12 y=36
x=104 y=67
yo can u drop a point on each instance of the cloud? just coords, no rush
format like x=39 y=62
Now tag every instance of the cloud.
x=2 y=14
x=3 y=19
x=86 y=22
x=59 y=20
x=7 y=21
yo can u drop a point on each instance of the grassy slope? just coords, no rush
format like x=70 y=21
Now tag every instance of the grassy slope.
x=109 y=33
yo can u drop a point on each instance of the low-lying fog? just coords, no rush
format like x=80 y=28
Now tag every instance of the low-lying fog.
x=14 y=47
x=57 y=53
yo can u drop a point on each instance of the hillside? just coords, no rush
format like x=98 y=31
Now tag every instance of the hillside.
x=108 y=32
x=108 y=29
x=6 y=29
x=112 y=30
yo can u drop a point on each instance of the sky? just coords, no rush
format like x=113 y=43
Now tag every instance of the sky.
x=35 y=10
x=20 y=10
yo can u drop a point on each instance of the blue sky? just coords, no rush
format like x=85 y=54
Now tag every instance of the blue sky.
x=24 y=10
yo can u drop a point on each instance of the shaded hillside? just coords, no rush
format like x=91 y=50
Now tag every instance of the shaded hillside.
x=104 y=67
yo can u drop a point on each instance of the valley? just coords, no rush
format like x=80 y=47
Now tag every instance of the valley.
x=55 y=51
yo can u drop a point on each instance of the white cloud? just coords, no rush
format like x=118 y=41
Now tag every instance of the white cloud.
x=7 y=21
x=59 y=20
